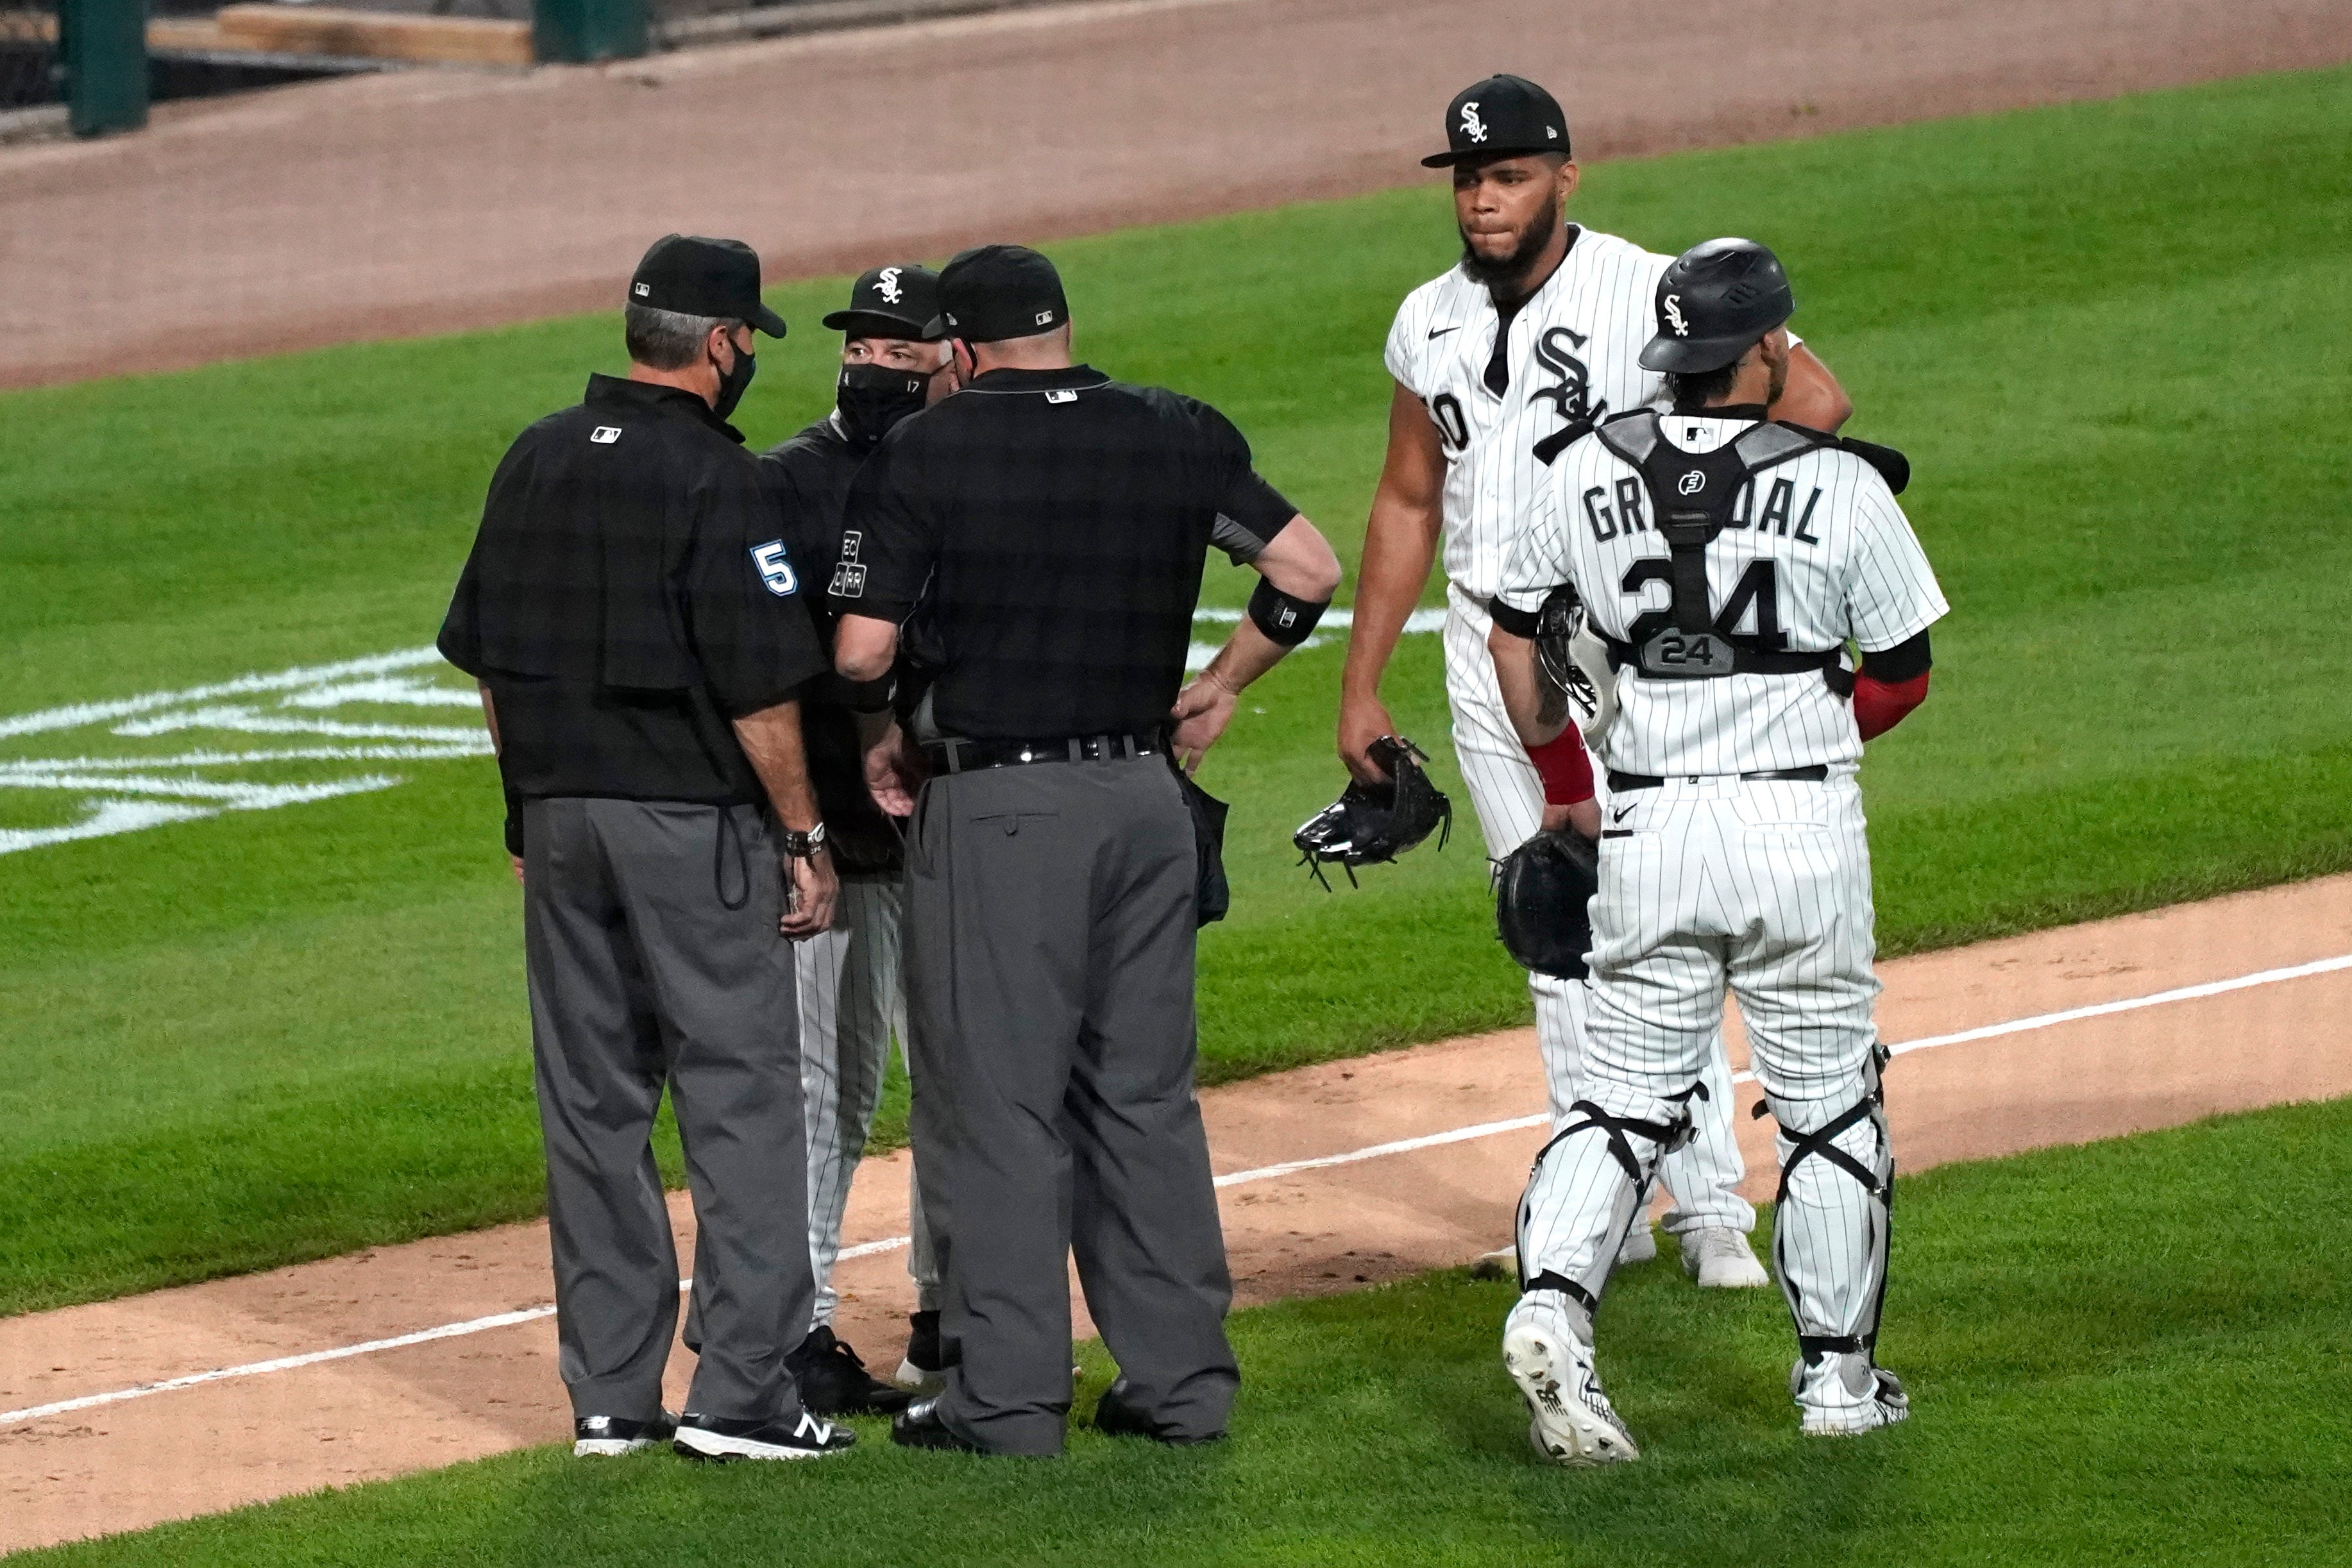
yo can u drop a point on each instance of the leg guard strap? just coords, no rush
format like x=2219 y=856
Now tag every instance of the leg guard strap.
x=1668 y=1135
x=1547 y=1280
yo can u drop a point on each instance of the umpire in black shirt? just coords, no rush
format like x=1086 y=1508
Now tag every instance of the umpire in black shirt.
x=1052 y=524
x=639 y=634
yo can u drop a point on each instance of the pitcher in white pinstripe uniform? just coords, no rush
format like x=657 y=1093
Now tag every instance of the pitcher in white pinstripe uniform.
x=1499 y=364
x=1724 y=563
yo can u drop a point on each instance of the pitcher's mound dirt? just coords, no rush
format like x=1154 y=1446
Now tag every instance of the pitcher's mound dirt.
x=1324 y=1229
x=432 y=199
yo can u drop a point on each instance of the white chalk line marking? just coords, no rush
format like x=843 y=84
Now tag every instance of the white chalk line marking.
x=1236 y=1178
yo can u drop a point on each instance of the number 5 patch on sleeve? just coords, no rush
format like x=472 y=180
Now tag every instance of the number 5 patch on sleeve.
x=775 y=571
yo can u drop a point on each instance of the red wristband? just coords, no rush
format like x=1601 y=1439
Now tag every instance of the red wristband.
x=1880 y=705
x=1566 y=770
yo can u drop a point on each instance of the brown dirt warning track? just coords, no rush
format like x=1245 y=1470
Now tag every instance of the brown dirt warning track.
x=1355 y=1172
x=432 y=199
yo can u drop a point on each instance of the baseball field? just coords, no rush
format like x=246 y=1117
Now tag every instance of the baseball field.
x=264 y=993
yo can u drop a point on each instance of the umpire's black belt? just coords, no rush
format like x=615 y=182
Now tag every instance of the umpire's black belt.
x=954 y=754
x=1620 y=782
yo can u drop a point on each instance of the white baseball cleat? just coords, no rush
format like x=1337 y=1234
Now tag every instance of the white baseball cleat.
x=1641 y=1244
x=1842 y=1394
x=1573 y=1422
x=1721 y=1260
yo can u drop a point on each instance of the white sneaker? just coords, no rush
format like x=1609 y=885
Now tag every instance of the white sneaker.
x=1573 y=1422
x=1641 y=1244
x=1843 y=1396
x=1720 y=1259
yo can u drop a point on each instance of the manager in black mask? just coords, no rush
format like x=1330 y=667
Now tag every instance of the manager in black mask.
x=894 y=361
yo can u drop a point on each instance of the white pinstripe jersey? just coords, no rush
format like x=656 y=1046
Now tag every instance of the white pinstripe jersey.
x=1843 y=564
x=1571 y=356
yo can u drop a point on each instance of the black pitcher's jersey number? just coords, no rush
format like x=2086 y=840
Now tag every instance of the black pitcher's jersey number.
x=1452 y=428
x=1758 y=586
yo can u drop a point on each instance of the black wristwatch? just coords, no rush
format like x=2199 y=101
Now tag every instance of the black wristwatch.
x=800 y=846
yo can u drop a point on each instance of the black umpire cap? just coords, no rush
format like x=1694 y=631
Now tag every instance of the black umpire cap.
x=699 y=277
x=1502 y=117
x=901 y=301
x=1714 y=301
x=994 y=292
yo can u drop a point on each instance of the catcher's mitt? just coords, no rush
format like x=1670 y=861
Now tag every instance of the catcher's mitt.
x=1373 y=822
x=1543 y=891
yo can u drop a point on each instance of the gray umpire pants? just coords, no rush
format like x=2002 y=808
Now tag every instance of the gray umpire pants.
x=642 y=975
x=1050 y=930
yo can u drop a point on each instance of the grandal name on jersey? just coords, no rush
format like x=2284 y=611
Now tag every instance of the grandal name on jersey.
x=1817 y=553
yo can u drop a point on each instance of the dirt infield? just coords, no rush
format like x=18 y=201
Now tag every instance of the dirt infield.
x=434 y=200
x=1329 y=1202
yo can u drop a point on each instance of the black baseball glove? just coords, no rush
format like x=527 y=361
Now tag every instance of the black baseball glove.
x=1543 y=891
x=1370 y=823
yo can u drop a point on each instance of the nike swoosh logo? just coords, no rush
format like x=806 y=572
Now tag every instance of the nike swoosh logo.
x=1437 y=332
x=1621 y=814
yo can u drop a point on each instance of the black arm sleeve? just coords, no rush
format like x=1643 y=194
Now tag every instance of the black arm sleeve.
x=461 y=629
x=1517 y=622
x=889 y=539
x=745 y=610
x=1250 y=511
x=1908 y=660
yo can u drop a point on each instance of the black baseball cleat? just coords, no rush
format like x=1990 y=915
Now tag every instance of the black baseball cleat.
x=833 y=1380
x=609 y=1436
x=925 y=1366
x=716 y=1438
x=1115 y=1417
x=919 y=1426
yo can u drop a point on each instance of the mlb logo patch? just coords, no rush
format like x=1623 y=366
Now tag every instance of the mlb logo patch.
x=605 y=434
x=1062 y=395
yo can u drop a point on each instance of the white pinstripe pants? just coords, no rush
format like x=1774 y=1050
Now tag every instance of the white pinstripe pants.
x=1765 y=887
x=851 y=1003
x=1506 y=791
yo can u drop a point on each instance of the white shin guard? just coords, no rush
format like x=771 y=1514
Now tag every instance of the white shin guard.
x=1833 y=1222
x=1589 y=1186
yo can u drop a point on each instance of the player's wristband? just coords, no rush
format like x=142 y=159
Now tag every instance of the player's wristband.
x=1287 y=622
x=1566 y=770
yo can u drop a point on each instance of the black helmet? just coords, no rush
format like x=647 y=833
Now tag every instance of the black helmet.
x=1713 y=302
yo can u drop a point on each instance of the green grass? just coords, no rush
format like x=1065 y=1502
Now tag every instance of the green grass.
x=2112 y=336
x=2129 y=1353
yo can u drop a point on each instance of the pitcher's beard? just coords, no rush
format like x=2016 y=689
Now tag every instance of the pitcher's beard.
x=1512 y=267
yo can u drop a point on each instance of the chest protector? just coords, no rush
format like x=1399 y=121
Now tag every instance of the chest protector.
x=1691 y=495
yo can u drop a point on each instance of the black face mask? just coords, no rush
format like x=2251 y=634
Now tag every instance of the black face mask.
x=873 y=398
x=732 y=383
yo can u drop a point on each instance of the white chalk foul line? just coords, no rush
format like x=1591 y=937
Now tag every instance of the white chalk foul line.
x=1236 y=1178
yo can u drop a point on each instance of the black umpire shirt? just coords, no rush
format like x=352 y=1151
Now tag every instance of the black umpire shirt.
x=627 y=595
x=1054 y=525
x=809 y=477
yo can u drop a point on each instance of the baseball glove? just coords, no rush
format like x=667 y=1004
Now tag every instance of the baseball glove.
x=1370 y=823
x=1543 y=892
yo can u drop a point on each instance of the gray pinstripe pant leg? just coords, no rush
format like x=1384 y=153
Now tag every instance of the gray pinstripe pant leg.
x=640 y=977
x=851 y=1005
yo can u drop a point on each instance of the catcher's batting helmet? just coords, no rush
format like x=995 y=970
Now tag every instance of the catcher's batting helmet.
x=1543 y=891
x=1373 y=822
x=1714 y=301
